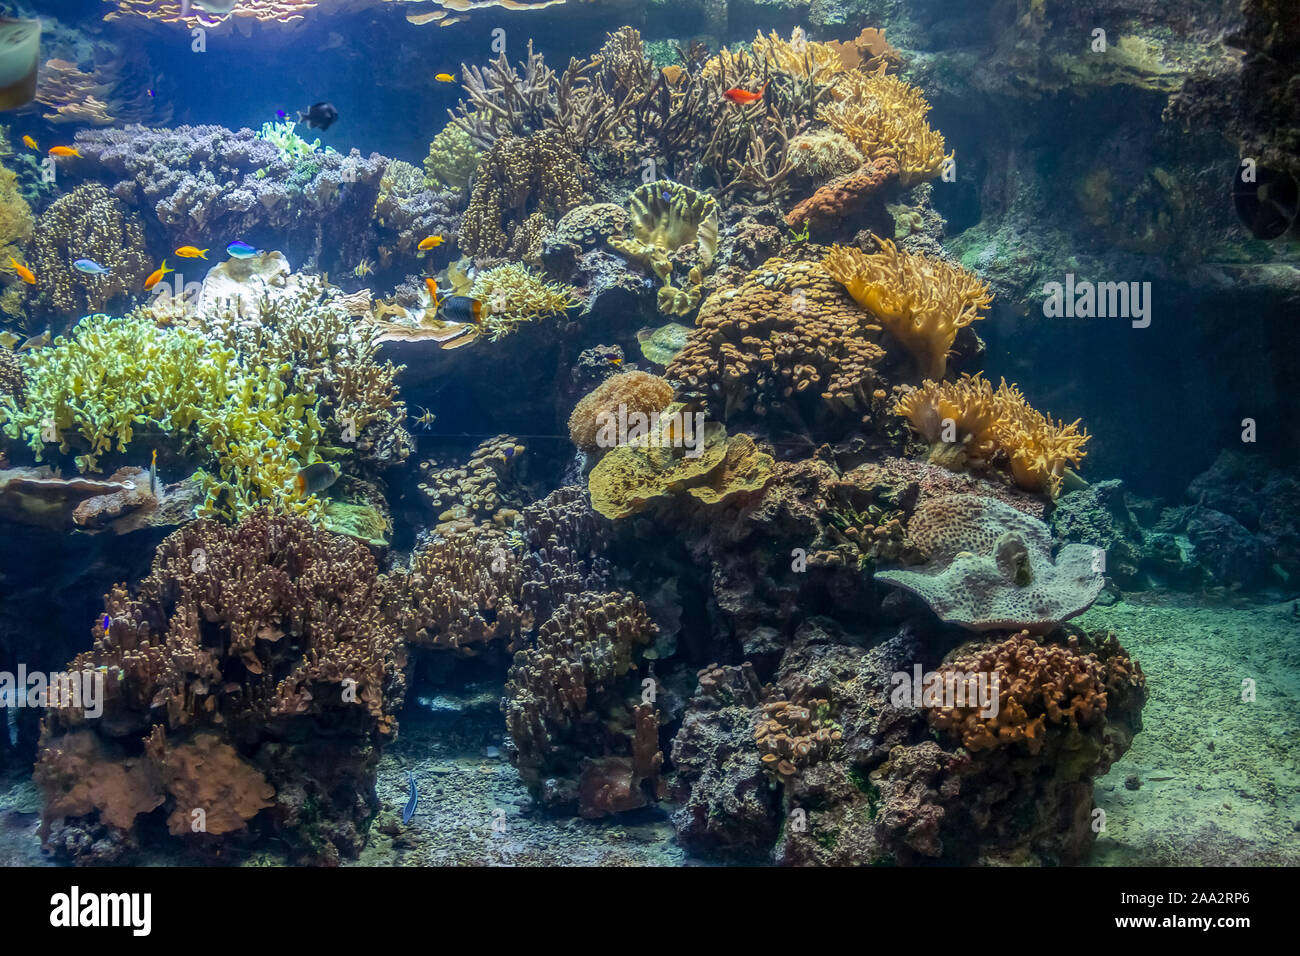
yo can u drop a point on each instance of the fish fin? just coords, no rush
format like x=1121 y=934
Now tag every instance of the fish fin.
x=203 y=253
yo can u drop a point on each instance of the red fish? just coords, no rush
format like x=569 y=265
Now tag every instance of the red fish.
x=744 y=97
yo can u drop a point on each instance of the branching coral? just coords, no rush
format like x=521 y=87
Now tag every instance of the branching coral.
x=515 y=179
x=923 y=302
x=92 y=392
x=885 y=116
x=788 y=333
x=967 y=421
x=86 y=223
x=672 y=223
x=630 y=393
x=241 y=638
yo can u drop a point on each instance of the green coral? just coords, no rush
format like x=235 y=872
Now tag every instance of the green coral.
x=285 y=138
x=116 y=379
x=452 y=159
x=513 y=294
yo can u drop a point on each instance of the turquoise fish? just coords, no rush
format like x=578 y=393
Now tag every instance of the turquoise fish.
x=90 y=267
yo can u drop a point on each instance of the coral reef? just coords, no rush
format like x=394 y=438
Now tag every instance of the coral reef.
x=922 y=302
x=244 y=647
x=991 y=567
x=885 y=116
x=482 y=490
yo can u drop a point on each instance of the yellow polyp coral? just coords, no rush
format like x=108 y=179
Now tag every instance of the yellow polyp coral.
x=967 y=422
x=922 y=302
x=885 y=116
x=452 y=159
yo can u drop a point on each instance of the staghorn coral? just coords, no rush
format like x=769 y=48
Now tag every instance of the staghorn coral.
x=240 y=638
x=452 y=159
x=923 y=302
x=517 y=177
x=991 y=568
x=481 y=491
x=846 y=196
x=885 y=116
x=968 y=422
x=672 y=223
x=1038 y=684
x=559 y=693
x=634 y=392
x=786 y=334
x=86 y=223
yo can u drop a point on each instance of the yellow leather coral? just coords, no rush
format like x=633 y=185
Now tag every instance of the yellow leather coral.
x=968 y=422
x=922 y=302
x=885 y=116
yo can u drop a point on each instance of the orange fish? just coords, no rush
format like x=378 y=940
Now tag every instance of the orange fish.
x=191 y=252
x=432 y=285
x=156 y=276
x=65 y=151
x=744 y=97
x=31 y=143
x=24 y=273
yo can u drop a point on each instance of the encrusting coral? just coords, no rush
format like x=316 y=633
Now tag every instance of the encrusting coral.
x=632 y=392
x=967 y=422
x=244 y=647
x=991 y=568
x=922 y=301
x=86 y=223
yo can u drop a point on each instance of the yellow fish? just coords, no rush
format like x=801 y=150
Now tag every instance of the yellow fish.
x=432 y=285
x=156 y=276
x=189 y=252
x=29 y=142
x=429 y=242
x=24 y=273
x=445 y=77
x=65 y=151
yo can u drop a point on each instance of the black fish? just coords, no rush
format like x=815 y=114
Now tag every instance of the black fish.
x=319 y=116
x=1268 y=206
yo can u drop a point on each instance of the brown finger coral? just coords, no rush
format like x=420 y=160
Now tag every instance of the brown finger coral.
x=631 y=392
x=923 y=302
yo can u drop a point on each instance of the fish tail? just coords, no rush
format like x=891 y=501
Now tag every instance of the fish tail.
x=203 y=253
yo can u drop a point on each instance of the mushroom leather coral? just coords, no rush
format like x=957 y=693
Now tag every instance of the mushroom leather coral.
x=923 y=302
x=991 y=567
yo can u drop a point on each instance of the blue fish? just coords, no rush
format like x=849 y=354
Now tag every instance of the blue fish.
x=408 y=811
x=242 y=250
x=106 y=622
x=90 y=267
x=281 y=115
